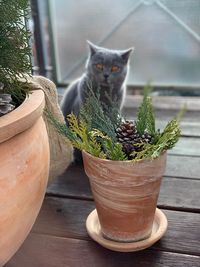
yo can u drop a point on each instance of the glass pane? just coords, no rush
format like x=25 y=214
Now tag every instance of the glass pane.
x=44 y=24
x=165 y=34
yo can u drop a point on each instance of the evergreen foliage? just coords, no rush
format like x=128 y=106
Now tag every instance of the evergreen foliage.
x=95 y=130
x=98 y=117
x=113 y=150
x=78 y=133
x=145 y=116
x=165 y=140
x=15 y=62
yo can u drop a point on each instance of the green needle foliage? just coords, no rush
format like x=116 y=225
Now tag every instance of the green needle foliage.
x=15 y=59
x=78 y=133
x=113 y=151
x=94 y=130
x=97 y=117
x=145 y=116
x=165 y=140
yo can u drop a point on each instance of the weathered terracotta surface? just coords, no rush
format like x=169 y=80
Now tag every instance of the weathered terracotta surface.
x=125 y=195
x=24 y=165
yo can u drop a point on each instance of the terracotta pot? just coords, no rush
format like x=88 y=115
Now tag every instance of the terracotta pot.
x=24 y=165
x=125 y=195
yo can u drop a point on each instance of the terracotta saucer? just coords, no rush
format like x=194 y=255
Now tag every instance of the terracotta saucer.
x=94 y=231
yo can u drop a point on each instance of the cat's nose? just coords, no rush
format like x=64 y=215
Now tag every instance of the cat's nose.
x=106 y=76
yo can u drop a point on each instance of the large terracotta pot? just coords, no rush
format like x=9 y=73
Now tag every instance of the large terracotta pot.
x=125 y=195
x=24 y=166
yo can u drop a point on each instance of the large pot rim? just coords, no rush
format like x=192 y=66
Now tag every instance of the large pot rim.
x=117 y=162
x=23 y=117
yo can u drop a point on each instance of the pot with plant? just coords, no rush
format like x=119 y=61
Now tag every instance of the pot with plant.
x=24 y=147
x=125 y=162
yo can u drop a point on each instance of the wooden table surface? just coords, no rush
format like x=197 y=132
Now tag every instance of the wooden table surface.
x=59 y=237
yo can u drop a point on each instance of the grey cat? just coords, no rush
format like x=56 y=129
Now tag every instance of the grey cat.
x=106 y=71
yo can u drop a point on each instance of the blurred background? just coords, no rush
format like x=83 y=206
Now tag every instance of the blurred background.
x=165 y=34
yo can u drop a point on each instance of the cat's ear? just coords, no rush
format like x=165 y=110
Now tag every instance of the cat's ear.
x=93 y=48
x=126 y=54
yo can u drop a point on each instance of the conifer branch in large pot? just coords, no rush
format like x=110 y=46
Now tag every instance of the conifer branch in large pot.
x=15 y=60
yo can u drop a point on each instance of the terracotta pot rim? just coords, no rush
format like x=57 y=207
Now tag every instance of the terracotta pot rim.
x=121 y=161
x=23 y=117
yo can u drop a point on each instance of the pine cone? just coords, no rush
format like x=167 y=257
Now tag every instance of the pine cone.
x=5 y=104
x=130 y=139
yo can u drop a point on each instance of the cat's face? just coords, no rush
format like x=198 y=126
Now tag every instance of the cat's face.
x=107 y=67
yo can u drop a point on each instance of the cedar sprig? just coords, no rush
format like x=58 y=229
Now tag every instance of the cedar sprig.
x=145 y=116
x=166 y=140
x=113 y=151
x=96 y=116
x=78 y=134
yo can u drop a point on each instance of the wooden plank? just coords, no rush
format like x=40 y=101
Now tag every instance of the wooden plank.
x=175 y=193
x=187 y=146
x=184 y=167
x=182 y=194
x=190 y=123
x=63 y=217
x=165 y=102
x=73 y=182
x=165 y=108
x=182 y=234
x=159 y=102
x=42 y=251
x=67 y=217
x=164 y=115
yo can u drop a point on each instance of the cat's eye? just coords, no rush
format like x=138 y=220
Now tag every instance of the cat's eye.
x=115 y=68
x=99 y=66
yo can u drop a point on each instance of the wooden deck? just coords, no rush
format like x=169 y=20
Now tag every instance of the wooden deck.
x=59 y=237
